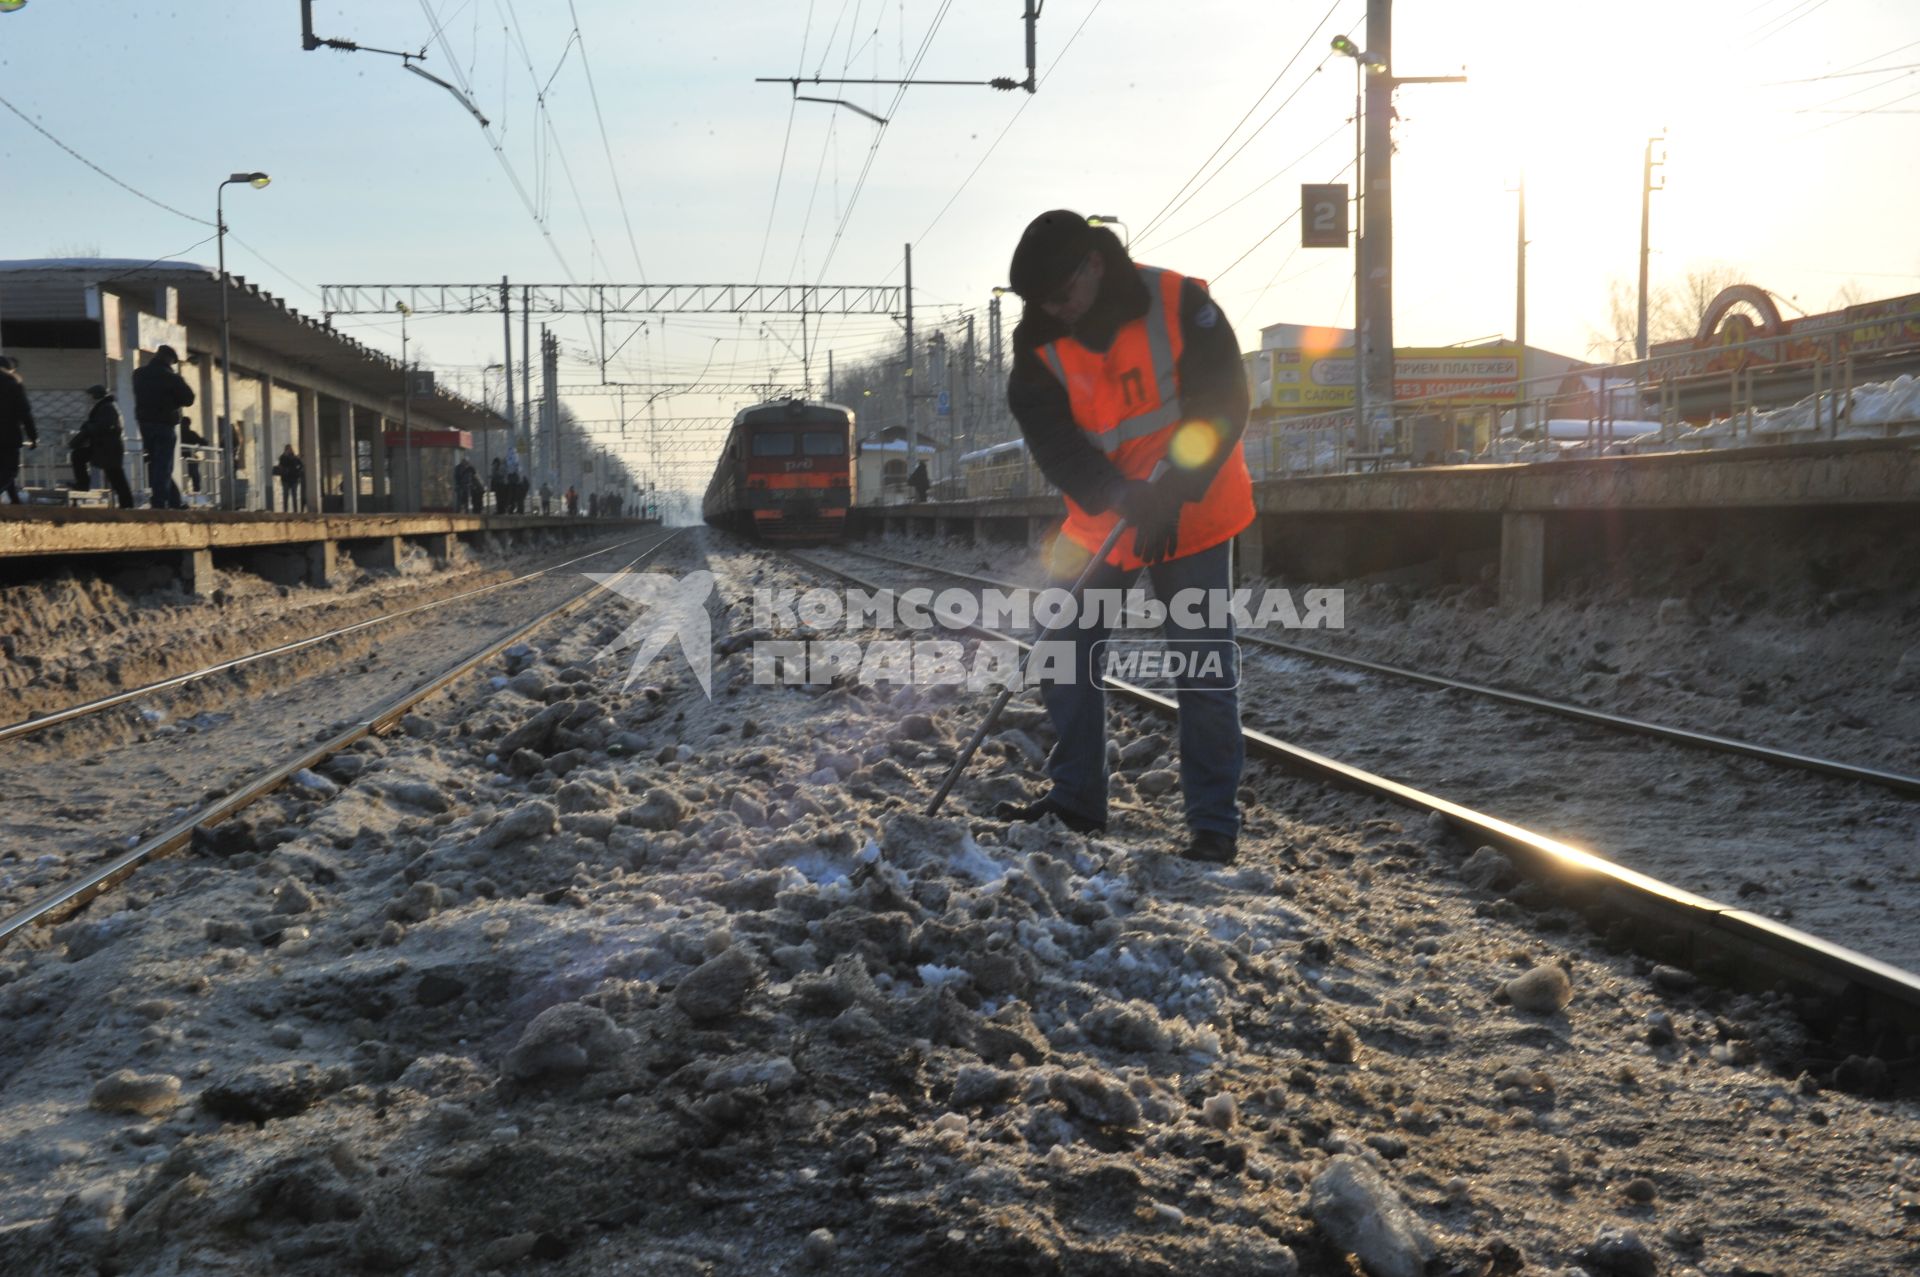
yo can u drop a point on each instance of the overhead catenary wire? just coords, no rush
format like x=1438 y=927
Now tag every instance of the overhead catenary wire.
x=606 y=145
x=1148 y=226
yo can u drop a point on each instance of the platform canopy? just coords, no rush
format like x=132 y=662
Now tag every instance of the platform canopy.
x=55 y=302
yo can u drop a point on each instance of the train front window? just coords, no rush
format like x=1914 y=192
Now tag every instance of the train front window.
x=824 y=443
x=773 y=443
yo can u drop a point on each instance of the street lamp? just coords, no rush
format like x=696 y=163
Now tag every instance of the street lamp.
x=229 y=499
x=1362 y=63
x=1108 y=219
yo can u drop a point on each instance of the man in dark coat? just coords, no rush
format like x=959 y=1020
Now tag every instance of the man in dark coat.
x=293 y=479
x=159 y=393
x=919 y=482
x=106 y=439
x=16 y=427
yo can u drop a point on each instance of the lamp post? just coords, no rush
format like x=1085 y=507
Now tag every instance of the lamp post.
x=1108 y=219
x=486 y=436
x=406 y=408
x=229 y=498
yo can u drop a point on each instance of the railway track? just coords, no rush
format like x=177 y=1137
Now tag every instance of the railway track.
x=43 y=722
x=1894 y=781
x=179 y=830
x=1669 y=923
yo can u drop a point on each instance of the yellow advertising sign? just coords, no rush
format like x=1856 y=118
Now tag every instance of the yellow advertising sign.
x=1446 y=376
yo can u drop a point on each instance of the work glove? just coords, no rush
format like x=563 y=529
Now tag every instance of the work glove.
x=1152 y=510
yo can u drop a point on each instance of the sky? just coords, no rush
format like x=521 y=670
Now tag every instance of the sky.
x=1789 y=130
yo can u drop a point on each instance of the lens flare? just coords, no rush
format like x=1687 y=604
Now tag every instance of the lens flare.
x=1194 y=444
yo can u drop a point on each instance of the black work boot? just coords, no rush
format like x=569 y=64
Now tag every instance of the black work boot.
x=1212 y=847
x=1029 y=812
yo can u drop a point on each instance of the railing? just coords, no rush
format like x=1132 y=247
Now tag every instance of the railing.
x=1641 y=400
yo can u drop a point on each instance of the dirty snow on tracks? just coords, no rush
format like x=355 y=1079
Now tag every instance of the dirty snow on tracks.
x=589 y=978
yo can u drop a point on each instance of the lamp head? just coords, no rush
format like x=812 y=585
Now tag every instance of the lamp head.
x=255 y=180
x=403 y=308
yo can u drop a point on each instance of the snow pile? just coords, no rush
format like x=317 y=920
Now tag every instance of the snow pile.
x=633 y=986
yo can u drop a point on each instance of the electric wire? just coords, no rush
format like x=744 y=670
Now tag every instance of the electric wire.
x=1247 y=141
x=1338 y=130
x=31 y=123
x=1217 y=276
x=1154 y=221
x=853 y=200
x=613 y=169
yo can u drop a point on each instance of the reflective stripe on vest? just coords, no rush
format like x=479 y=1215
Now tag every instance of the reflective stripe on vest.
x=1102 y=386
x=1165 y=367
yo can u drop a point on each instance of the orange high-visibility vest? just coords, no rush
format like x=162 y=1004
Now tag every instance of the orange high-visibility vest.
x=1126 y=400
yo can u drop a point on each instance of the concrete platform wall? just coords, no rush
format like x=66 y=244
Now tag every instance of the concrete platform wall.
x=1529 y=523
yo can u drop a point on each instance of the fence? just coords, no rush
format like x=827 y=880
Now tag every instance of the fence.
x=46 y=472
x=1611 y=405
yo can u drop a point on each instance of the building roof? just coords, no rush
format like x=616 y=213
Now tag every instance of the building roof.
x=55 y=288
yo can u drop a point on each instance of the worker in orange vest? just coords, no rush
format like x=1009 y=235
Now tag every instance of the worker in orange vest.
x=1117 y=369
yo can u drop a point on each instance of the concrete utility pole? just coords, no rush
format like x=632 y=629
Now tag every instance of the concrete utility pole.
x=550 y=408
x=1375 y=340
x=913 y=399
x=1374 y=377
x=1647 y=188
x=524 y=451
x=1520 y=297
x=506 y=326
x=973 y=369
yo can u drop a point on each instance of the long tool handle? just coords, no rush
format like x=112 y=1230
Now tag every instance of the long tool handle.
x=1006 y=693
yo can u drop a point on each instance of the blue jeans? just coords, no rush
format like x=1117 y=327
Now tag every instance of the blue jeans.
x=161 y=444
x=1212 y=753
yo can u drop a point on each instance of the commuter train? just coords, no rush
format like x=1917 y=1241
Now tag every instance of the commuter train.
x=786 y=473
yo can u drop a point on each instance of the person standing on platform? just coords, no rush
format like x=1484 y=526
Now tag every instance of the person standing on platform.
x=159 y=393
x=497 y=480
x=1128 y=387
x=106 y=437
x=293 y=476
x=573 y=501
x=919 y=482
x=81 y=458
x=191 y=438
x=546 y=498
x=16 y=428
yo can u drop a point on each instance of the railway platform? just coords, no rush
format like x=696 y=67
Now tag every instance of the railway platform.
x=1530 y=521
x=289 y=549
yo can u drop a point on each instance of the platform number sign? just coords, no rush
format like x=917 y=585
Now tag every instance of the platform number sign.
x=1323 y=215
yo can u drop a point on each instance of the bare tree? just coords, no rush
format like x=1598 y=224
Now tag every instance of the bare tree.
x=1848 y=294
x=1674 y=310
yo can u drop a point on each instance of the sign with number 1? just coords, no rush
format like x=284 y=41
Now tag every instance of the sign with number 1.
x=1323 y=215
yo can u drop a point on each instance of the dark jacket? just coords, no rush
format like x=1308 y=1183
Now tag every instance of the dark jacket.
x=103 y=433
x=16 y=414
x=1213 y=383
x=159 y=393
x=290 y=468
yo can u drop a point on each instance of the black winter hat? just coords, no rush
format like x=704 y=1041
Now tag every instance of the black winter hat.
x=97 y=391
x=1051 y=249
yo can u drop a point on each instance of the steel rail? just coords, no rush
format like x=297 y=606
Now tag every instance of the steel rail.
x=27 y=726
x=61 y=901
x=1895 y=781
x=1675 y=925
